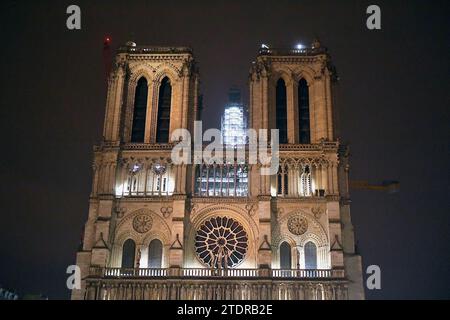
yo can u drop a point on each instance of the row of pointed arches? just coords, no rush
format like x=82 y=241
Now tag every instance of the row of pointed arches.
x=130 y=254
x=155 y=254
x=140 y=111
x=304 y=135
x=310 y=256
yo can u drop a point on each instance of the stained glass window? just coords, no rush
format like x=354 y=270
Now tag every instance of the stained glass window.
x=140 y=111
x=285 y=256
x=303 y=111
x=155 y=250
x=281 y=110
x=221 y=242
x=128 y=252
x=164 y=104
x=310 y=255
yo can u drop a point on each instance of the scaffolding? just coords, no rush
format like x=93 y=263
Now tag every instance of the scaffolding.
x=234 y=125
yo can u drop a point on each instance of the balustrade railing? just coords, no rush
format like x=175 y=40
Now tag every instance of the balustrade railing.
x=215 y=273
x=203 y=272
x=307 y=273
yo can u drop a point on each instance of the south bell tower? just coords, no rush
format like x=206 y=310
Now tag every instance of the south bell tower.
x=218 y=230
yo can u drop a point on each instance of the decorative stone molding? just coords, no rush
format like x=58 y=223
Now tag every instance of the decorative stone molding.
x=297 y=225
x=125 y=228
x=194 y=209
x=163 y=199
x=336 y=246
x=177 y=243
x=166 y=211
x=265 y=244
x=220 y=207
x=220 y=289
x=120 y=211
x=252 y=209
x=317 y=211
x=315 y=230
x=142 y=223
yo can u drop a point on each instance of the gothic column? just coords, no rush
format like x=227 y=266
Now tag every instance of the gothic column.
x=185 y=99
x=114 y=103
x=291 y=127
x=329 y=105
x=149 y=110
x=324 y=174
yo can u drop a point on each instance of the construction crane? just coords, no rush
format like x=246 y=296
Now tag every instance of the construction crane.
x=107 y=57
x=389 y=186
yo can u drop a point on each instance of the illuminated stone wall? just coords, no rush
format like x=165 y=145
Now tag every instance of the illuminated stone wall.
x=138 y=193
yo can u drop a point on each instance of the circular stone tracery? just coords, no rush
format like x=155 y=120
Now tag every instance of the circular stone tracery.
x=297 y=225
x=142 y=223
x=221 y=242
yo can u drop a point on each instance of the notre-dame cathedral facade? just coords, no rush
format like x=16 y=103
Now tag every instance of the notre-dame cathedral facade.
x=160 y=230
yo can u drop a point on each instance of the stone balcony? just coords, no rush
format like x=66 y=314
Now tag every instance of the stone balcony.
x=142 y=273
x=215 y=284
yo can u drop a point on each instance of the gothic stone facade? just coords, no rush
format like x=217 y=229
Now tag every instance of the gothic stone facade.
x=223 y=231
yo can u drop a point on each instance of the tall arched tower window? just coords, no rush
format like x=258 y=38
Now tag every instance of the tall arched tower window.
x=305 y=182
x=310 y=255
x=164 y=103
x=303 y=112
x=281 y=110
x=140 y=111
x=128 y=254
x=155 y=250
x=285 y=256
x=282 y=181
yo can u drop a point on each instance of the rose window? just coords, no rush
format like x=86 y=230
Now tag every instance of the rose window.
x=297 y=225
x=142 y=223
x=221 y=242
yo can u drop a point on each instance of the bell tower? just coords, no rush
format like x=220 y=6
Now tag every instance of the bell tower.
x=138 y=197
x=151 y=92
x=291 y=89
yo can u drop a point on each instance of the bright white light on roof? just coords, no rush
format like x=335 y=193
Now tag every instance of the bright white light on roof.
x=264 y=46
x=136 y=168
x=234 y=125
x=299 y=46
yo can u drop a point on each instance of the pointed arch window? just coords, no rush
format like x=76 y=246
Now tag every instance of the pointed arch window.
x=285 y=256
x=310 y=255
x=305 y=182
x=164 y=104
x=128 y=254
x=281 y=110
x=282 y=181
x=303 y=112
x=140 y=111
x=155 y=250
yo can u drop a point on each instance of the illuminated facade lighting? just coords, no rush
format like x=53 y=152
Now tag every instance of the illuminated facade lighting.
x=234 y=121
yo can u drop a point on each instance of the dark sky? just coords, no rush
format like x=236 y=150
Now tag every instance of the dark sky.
x=393 y=100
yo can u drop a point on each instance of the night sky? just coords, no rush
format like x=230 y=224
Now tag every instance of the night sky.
x=393 y=98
